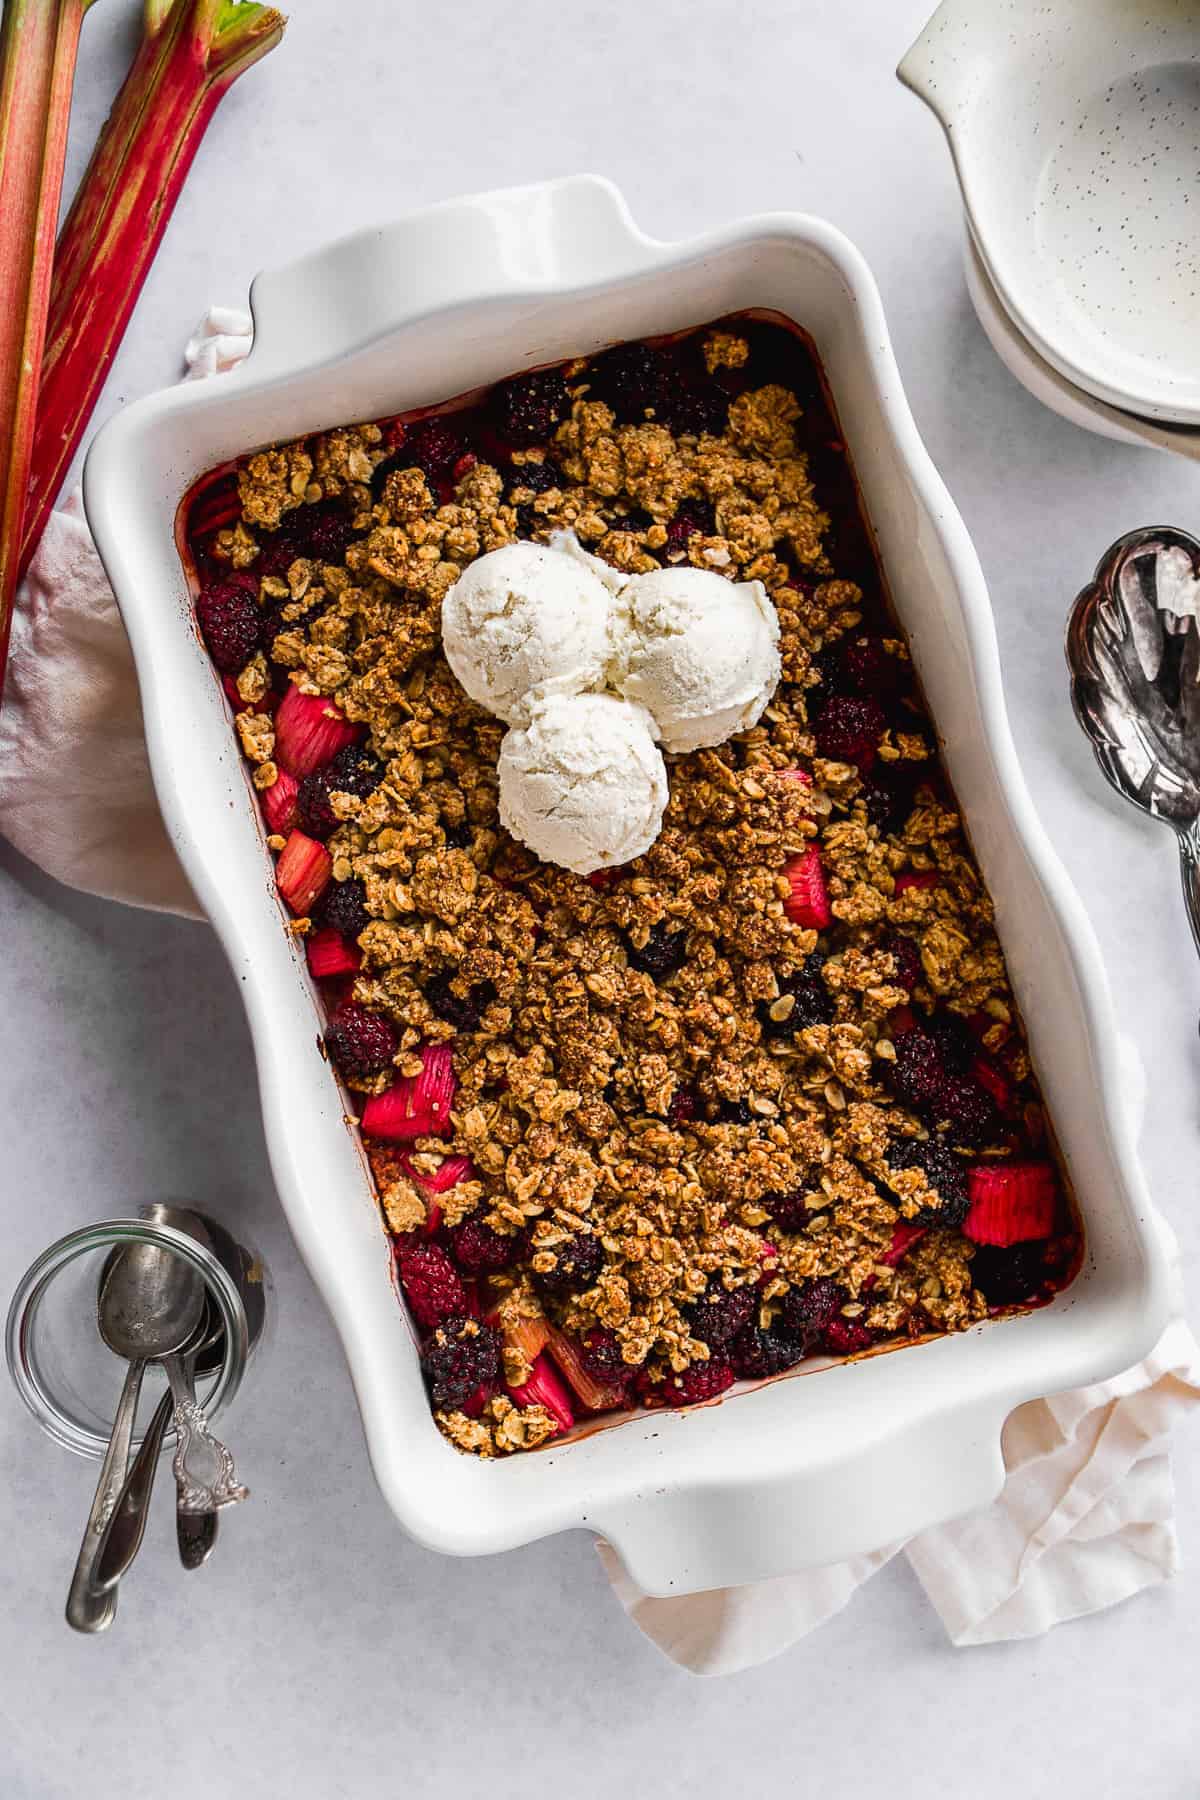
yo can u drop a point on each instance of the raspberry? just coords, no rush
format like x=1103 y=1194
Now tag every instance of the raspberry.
x=526 y=409
x=601 y=1353
x=463 y=1011
x=577 y=1263
x=352 y=771
x=806 y=1311
x=702 y=1381
x=868 y=668
x=663 y=952
x=462 y=1355
x=844 y=1336
x=908 y=960
x=345 y=907
x=757 y=1353
x=361 y=1043
x=787 y=1210
x=693 y=516
x=431 y=1283
x=945 y=1172
x=849 y=729
x=627 y=378
x=720 y=1315
x=1006 y=1276
x=480 y=1250
x=969 y=1110
x=917 y=1075
x=813 y=1003
x=228 y=615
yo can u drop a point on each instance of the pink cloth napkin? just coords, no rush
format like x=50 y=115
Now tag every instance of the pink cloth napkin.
x=1086 y=1517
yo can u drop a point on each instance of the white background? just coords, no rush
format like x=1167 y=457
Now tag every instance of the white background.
x=320 y=1654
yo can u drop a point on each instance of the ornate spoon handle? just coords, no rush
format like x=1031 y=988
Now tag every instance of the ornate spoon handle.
x=204 y=1474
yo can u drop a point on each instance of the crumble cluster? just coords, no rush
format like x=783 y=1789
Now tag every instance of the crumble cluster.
x=663 y=1061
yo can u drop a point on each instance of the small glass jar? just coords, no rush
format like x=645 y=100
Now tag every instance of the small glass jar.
x=61 y=1366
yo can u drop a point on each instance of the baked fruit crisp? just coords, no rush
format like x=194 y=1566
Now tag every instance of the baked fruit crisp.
x=761 y=1095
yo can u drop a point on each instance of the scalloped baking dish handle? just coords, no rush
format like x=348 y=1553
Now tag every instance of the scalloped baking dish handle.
x=576 y=232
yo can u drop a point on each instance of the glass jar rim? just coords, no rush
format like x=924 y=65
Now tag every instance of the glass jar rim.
x=42 y=1272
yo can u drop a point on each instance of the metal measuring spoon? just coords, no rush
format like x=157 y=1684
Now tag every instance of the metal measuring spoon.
x=1133 y=647
x=149 y=1306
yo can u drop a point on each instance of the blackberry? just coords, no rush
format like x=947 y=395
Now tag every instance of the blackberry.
x=955 y=1040
x=480 y=1250
x=345 y=907
x=663 y=952
x=736 y=1112
x=228 y=615
x=461 y=1356
x=431 y=446
x=720 y=1315
x=577 y=1263
x=970 y=1110
x=1006 y=1276
x=361 y=1043
x=691 y=517
x=805 y=1311
x=634 y=520
x=352 y=771
x=917 y=1075
x=692 y=407
x=539 y=478
x=601 y=1353
x=868 y=668
x=849 y=729
x=787 y=1210
x=526 y=409
x=627 y=378
x=321 y=530
x=757 y=1353
x=945 y=1172
x=463 y=1011
x=702 y=1381
x=458 y=837
x=813 y=1002
x=272 y=620
x=907 y=956
x=431 y=1283
x=888 y=794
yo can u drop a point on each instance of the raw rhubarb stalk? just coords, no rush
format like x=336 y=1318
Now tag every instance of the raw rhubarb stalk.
x=38 y=44
x=192 y=51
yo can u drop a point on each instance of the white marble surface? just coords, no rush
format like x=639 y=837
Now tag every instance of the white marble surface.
x=320 y=1654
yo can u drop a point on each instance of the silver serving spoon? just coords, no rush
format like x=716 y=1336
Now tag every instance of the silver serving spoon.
x=1133 y=647
x=123 y=1535
x=149 y=1306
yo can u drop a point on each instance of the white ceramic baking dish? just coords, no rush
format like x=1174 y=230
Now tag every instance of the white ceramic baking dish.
x=808 y=1468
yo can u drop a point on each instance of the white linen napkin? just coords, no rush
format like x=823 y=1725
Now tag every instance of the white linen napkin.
x=1086 y=1517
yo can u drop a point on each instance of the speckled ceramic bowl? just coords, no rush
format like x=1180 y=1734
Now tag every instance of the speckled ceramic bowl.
x=1075 y=130
x=807 y=1469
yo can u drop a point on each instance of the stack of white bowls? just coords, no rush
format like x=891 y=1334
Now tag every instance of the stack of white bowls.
x=1075 y=131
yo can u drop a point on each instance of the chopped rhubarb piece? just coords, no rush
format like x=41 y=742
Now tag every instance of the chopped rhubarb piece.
x=808 y=902
x=595 y=1395
x=329 y=954
x=450 y=1171
x=302 y=872
x=904 y=1237
x=917 y=878
x=544 y=1388
x=279 y=802
x=310 y=729
x=414 y=1106
x=527 y=1332
x=1011 y=1202
x=433 y=1088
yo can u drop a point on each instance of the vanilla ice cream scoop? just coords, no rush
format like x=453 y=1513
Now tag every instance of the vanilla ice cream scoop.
x=701 y=654
x=583 y=784
x=525 y=622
